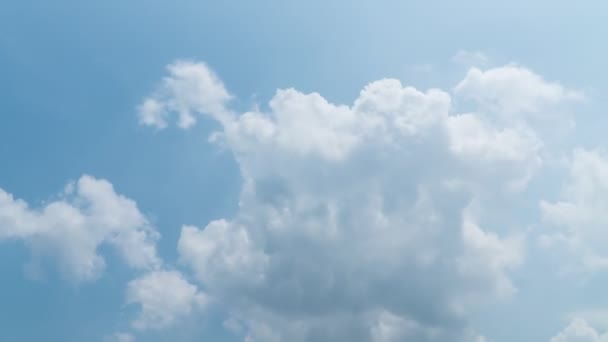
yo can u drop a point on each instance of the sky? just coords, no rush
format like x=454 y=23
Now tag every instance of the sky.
x=303 y=171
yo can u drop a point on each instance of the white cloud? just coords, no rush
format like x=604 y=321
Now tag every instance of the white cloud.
x=473 y=138
x=514 y=90
x=361 y=222
x=71 y=229
x=309 y=126
x=164 y=297
x=190 y=89
x=597 y=318
x=153 y=113
x=222 y=250
x=578 y=219
x=486 y=255
x=355 y=222
x=508 y=153
x=579 y=331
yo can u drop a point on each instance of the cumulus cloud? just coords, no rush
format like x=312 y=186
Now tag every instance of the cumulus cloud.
x=189 y=90
x=579 y=331
x=70 y=230
x=576 y=222
x=491 y=152
x=164 y=297
x=513 y=89
x=359 y=222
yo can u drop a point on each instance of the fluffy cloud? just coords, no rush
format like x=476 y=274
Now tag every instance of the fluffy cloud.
x=510 y=154
x=579 y=331
x=579 y=218
x=513 y=89
x=164 y=297
x=189 y=89
x=88 y=214
x=359 y=222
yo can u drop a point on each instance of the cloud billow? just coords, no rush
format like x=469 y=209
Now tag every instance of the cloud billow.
x=360 y=222
x=71 y=229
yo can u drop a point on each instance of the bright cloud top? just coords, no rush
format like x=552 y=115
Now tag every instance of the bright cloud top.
x=180 y=93
x=361 y=222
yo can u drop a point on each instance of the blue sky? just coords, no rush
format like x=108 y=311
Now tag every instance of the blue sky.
x=284 y=186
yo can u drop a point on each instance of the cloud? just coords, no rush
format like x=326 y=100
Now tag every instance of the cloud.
x=513 y=90
x=366 y=222
x=597 y=318
x=576 y=222
x=579 y=331
x=189 y=90
x=69 y=230
x=361 y=222
x=164 y=297
x=509 y=153
x=222 y=250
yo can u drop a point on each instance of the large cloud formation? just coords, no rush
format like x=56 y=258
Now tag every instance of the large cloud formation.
x=361 y=222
